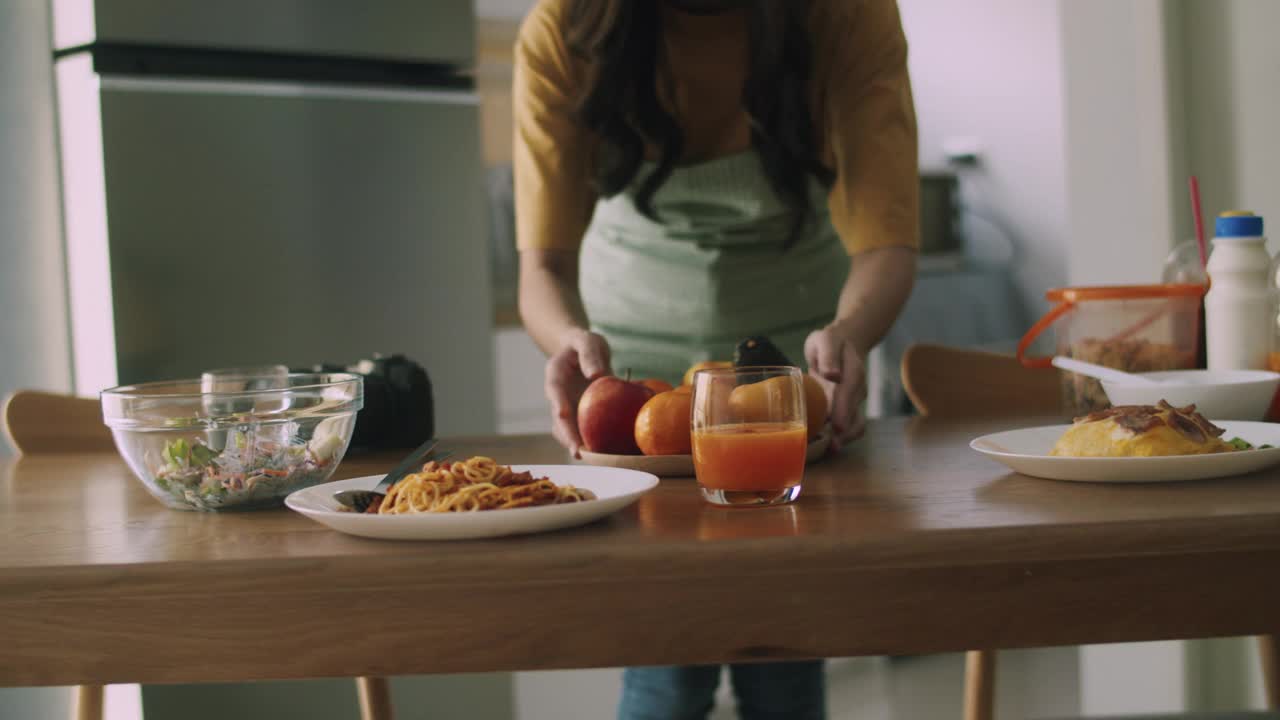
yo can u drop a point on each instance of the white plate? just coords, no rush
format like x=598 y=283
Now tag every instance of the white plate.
x=1027 y=451
x=614 y=488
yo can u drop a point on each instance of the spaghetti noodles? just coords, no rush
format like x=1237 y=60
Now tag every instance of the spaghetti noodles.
x=475 y=484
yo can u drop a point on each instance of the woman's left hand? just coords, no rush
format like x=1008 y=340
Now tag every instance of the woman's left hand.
x=841 y=370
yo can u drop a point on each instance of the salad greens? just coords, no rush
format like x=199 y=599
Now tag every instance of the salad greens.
x=258 y=466
x=1242 y=444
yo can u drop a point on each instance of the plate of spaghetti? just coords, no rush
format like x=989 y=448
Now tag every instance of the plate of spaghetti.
x=477 y=498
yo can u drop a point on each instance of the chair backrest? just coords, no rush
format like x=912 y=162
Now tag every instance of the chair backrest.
x=953 y=382
x=40 y=422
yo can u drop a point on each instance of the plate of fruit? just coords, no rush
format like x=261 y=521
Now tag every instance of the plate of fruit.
x=645 y=424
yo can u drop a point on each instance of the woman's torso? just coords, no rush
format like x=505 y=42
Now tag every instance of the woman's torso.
x=711 y=269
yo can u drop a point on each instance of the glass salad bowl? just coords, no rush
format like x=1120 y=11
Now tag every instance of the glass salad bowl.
x=245 y=445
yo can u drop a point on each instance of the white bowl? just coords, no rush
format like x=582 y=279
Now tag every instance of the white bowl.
x=1217 y=394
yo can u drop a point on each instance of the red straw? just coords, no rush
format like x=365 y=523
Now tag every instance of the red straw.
x=1195 y=208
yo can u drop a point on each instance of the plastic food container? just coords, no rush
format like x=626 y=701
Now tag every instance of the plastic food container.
x=1134 y=328
x=236 y=449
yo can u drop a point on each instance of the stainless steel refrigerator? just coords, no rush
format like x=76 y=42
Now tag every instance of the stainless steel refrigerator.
x=274 y=181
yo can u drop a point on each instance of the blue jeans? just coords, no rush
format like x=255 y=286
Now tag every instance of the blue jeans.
x=765 y=691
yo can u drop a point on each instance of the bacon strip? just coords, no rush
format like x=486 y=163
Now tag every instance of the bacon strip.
x=1139 y=419
x=1138 y=423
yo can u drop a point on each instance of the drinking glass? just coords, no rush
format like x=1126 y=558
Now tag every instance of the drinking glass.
x=749 y=434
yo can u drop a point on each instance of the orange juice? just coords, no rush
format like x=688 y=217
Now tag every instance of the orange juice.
x=751 y=456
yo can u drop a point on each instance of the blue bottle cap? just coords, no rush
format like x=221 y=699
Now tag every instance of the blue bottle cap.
x=1238 y=223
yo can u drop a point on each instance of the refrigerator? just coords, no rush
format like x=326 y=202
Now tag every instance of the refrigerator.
x=274 y=181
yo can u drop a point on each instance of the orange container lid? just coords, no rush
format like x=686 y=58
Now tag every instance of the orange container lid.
x=1124 y=292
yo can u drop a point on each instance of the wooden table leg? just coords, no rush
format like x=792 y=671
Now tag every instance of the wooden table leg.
x=979 y=684
x=375 y=698
x=88 y=703
x=1269 y=653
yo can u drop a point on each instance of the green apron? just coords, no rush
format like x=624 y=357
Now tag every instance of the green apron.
x=710 y=272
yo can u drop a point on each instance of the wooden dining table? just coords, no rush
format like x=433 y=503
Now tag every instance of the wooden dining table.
x=906 y=542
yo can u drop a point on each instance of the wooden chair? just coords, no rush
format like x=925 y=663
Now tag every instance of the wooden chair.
x=38 y=423
x=951 y=382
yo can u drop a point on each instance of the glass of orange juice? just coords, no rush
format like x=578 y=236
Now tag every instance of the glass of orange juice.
x=749 y=434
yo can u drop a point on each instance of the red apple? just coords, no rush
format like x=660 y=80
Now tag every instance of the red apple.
x=607 y=415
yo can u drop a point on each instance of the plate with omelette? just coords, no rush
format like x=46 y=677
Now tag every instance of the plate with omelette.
x=1137 y=443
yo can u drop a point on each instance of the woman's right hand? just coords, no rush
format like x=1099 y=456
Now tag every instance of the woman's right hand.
x=583 y=357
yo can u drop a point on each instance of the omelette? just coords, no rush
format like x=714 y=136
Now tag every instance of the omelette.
x=1142 y=431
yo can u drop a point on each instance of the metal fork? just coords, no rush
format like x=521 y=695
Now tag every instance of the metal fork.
x=360 y=500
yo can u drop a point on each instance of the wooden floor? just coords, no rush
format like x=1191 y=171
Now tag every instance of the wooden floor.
x=1034 y=684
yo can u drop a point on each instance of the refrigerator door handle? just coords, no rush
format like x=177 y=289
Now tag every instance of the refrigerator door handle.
x=280 y=89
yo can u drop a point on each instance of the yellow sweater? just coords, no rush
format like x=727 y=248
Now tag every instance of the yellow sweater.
x=861 y=106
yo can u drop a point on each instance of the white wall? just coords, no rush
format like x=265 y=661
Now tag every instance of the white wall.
x=990 y=72
x=1123 y=197
x=1231 y=112
x=34 y=346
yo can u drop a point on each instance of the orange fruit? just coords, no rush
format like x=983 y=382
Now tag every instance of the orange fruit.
x=704 y=365
x=656 y=385
x=761 y=401
x=662 y=427
x=815 y=405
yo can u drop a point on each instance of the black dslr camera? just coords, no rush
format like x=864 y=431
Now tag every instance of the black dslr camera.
x=398 y=408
